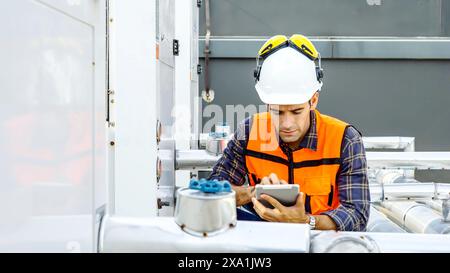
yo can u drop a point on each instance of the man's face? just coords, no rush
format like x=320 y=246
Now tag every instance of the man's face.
x=291 y=121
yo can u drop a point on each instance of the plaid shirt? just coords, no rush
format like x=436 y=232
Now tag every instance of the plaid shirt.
x=353 y=185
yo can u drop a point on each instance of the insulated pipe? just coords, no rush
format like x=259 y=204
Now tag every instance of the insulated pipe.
x=433 y=204
x=404 y=160
x=378 y=222
x=440 y=206
x=415 y=217
x=388 y=191
x=200 y=159
x=392 y=177
x=195 y=159
x=332 y=241
x=191 y=159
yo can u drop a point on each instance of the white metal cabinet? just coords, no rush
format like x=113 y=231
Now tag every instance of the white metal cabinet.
x=52 y=134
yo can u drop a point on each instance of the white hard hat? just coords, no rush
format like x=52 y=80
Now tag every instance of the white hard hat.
x=287 y=77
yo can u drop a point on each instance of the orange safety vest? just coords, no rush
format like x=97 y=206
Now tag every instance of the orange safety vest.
x=315 y=171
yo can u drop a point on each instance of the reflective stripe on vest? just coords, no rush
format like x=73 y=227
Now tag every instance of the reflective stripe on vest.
x=315 y=171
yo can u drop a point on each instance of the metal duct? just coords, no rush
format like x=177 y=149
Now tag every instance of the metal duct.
x=378 y=222
x=415 y=217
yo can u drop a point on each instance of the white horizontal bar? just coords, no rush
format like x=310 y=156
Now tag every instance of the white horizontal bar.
x=409 y=160
x=189 y=159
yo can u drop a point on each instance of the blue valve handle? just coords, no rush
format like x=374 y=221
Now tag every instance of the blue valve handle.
x=210 y=186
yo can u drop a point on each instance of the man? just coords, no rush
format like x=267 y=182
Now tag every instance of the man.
x=295 y=143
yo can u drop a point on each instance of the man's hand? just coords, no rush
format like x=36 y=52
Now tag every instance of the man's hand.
x=244 y=194
x=280 y=213
x=272 y=179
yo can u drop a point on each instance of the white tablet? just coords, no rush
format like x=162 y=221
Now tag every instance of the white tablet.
x=286 y=194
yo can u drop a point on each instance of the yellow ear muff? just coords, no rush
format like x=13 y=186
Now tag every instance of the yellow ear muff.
x=305 y=45
x=271 y=44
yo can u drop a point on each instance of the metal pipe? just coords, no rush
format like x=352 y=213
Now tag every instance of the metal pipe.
x=162 y=234
x=415 y=217
x=378 y=222
x=389 y=177
x=440 y=206
x=409 y=160
x=409 y=191
x=393 y=177
x=332 y=241
x=195 y=159
x=391 y=188
x=190 y=159
x=207 y=51
x=433 y=204
x=392 y=143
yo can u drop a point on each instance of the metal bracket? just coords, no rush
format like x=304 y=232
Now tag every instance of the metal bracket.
x=199 y=69
x=199 y=3
x=161 y=203
x=176 y=47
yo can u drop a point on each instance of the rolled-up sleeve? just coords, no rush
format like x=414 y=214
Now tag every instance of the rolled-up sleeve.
x=353 y=212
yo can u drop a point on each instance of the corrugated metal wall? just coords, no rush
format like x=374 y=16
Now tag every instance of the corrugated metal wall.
x=399 y=88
